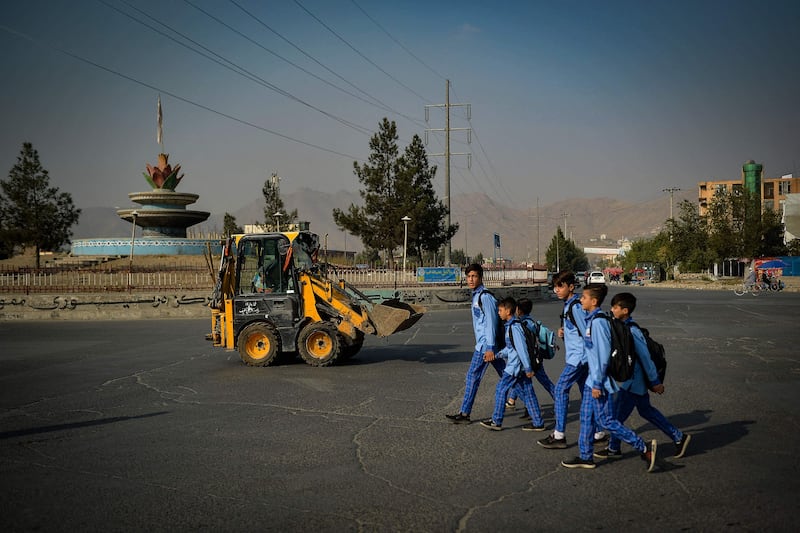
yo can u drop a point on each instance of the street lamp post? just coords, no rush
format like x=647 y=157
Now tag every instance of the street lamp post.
x=134 y=214
x=278 y=216
x=406 y=219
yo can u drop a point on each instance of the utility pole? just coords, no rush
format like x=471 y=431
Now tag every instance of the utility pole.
x=537 y=231
x=447 y=153
x=671 y=191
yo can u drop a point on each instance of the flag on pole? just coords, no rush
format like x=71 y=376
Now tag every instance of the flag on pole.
x=159 y=133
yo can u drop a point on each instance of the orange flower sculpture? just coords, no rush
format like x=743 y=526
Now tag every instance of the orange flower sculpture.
x=163 y=176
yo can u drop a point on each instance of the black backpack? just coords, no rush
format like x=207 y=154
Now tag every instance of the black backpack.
x=657 y=353
x=531 y=343
x=569 y=314
x=500 y=332
x=623 y=352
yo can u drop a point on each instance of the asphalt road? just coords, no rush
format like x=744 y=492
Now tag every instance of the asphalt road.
x=143 y=425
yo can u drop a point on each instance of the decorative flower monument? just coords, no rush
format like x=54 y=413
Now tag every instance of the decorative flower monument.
x=163 y=212
x=162 y=216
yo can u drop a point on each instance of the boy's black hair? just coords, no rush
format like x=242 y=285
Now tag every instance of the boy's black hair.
x=565 y=277
x=509 y=303
x=474 y=267
x=597 y=290
x=525 y=306
x=625 y=300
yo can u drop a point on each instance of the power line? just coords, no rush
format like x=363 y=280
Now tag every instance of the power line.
x=173 y=95
x=378 y=103
x=488 y=160
x=230 y=65
x=401 y=45
x=282 y=58
x=354 y=49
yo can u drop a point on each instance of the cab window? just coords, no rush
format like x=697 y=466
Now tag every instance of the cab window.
x=261 y=268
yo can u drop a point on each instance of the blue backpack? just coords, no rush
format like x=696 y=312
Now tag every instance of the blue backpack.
x=546 y=345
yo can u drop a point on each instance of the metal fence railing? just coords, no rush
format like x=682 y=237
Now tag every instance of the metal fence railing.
x=69 y=280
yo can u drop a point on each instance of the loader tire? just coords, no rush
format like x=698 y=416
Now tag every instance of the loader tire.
x=259 y=344
x=319 y=344
x=351 y=349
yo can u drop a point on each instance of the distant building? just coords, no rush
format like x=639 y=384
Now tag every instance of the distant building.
x=772 y=191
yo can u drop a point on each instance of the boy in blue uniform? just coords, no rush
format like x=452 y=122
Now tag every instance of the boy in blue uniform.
x=633 y=393
x=524 y=308
x=573 y=324
x=596 y=404
x=485 y=324
x=517 y=373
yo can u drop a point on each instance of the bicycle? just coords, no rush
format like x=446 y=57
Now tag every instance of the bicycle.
x=753 y=288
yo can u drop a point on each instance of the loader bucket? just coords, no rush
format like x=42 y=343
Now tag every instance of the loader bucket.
x=392 y=316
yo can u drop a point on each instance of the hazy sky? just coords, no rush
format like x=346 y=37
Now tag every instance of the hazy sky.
x=568 y=99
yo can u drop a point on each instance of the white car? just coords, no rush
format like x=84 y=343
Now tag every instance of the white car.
x=596 y=277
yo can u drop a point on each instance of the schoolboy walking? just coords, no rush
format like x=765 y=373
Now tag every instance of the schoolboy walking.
x=633 y=393
x=518 y=371
x=573 y=324
x=596 y=404
x=524 y=308
x=484 y=324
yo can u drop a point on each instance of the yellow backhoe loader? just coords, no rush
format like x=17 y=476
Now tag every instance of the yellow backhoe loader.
x=273 y=297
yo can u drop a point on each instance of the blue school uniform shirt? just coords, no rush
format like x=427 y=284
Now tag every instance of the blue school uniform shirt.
x=516 y=354
x=597 y=340
x=573 y=333
x=484 y=323
x=644 y=366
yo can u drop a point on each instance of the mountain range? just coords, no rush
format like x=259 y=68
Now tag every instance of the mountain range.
x=592 y=222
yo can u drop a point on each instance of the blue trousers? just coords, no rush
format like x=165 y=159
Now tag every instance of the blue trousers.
x=569 y=376
x=600 y=413
x=542 y=377
x=522 y=386
x=624 y=403
x=477 y=368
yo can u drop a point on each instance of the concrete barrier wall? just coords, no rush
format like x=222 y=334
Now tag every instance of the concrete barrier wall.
x=121 y=306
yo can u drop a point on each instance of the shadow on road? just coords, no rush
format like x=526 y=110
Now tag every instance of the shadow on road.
x=74 y=425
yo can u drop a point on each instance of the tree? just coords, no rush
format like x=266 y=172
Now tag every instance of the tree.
x=793 y=247
x=31 y=211
x=229 y=225
x=395 y=186
x=689 y=236
x=738 y=227
x=274 y=204
x=724 y=226
x=772 y=232
x=458 y=257
x=563 y=254
x=427 y=230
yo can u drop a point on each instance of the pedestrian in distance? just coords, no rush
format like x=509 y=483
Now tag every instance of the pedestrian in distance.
x=485 y=324
x=517 y=373
x=633 y=393
x=573 y=324
x=596 y=404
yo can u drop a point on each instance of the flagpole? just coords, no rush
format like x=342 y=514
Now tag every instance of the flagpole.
x=160 y=131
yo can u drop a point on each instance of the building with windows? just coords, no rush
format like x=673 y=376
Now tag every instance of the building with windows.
x=772 y=191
